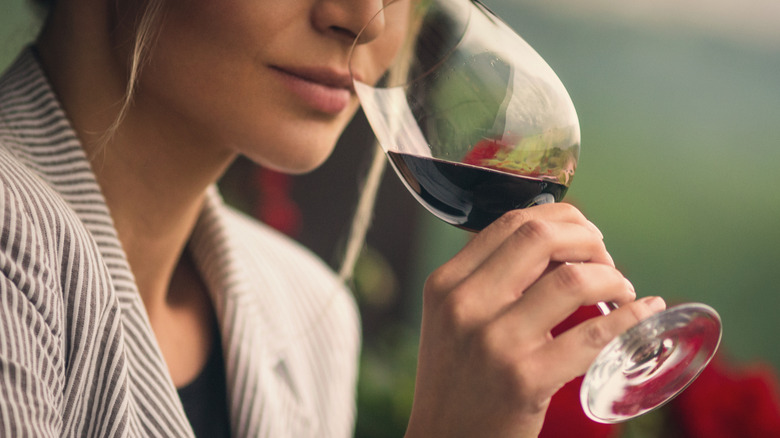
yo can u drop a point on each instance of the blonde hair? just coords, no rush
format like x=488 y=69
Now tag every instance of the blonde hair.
x=146 y=31
x=146 y=28
x=361 y=220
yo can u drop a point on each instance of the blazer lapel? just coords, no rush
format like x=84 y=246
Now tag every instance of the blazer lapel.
x=262 y=372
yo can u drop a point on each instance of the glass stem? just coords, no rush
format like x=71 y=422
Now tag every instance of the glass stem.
x=605 y=307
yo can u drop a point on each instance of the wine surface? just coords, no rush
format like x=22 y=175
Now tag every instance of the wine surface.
x=467 y=196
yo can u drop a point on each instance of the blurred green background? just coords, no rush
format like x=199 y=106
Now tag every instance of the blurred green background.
x=681 y=143
x=680 y=114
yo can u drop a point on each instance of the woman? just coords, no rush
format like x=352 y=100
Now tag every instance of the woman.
x=135 y=303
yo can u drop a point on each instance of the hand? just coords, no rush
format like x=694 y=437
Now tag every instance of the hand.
x=488 y=364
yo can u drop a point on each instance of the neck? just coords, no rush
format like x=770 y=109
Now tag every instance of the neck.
x=154 y=187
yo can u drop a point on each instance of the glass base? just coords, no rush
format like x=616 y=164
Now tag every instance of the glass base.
x=651 y=363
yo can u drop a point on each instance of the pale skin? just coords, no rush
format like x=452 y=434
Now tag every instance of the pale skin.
x=212 y=90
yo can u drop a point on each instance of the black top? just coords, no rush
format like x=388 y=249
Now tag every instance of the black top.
x=205 y=398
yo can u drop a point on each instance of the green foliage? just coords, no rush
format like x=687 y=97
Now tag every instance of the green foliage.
x=386 y=385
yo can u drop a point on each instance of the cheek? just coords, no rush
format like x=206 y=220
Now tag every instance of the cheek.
x=202 y=58
x=208 y=76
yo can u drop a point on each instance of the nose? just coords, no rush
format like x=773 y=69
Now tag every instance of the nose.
x=346 y=19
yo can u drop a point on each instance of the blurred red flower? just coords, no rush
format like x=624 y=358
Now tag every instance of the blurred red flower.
x=727 y=401
x=274 y=205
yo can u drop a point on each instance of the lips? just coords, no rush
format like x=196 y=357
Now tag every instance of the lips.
x=324 y=90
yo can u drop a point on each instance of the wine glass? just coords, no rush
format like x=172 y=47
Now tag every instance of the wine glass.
x=475 y=123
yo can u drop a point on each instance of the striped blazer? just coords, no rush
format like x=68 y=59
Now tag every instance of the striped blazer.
x=77 y=354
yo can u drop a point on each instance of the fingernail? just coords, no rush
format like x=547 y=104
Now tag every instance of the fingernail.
x=656 y=304
x=630 y=286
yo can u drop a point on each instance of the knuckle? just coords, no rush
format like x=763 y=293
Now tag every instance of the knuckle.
x=534 y=230
x=436 y=282
x=639 y=311
x=440 y=284
x=596 y=334
x=458 y=312
x=511 y=221
x=570 y=276
x=493 y=341
x=571 y=210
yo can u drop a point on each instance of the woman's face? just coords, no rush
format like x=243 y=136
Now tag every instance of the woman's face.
x=266 y=78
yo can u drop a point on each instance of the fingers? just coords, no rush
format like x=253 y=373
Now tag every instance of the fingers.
x=485 y=243
x=570 y=354
x=494 y=235
x=561 y=292
x=521 y=259
x=527 y=252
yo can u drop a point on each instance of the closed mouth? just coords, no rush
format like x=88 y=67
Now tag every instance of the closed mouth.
x=325 y=90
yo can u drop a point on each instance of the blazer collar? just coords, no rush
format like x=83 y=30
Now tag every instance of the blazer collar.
x=236 y=283
x=265 y=378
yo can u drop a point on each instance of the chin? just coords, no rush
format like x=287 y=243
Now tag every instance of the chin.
x=294 y=145
x=299 y=167
x=305 y=155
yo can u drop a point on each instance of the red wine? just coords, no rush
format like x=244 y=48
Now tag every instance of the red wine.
x=467 y=196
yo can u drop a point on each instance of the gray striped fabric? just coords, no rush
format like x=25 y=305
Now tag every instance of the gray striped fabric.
x=77 y=354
